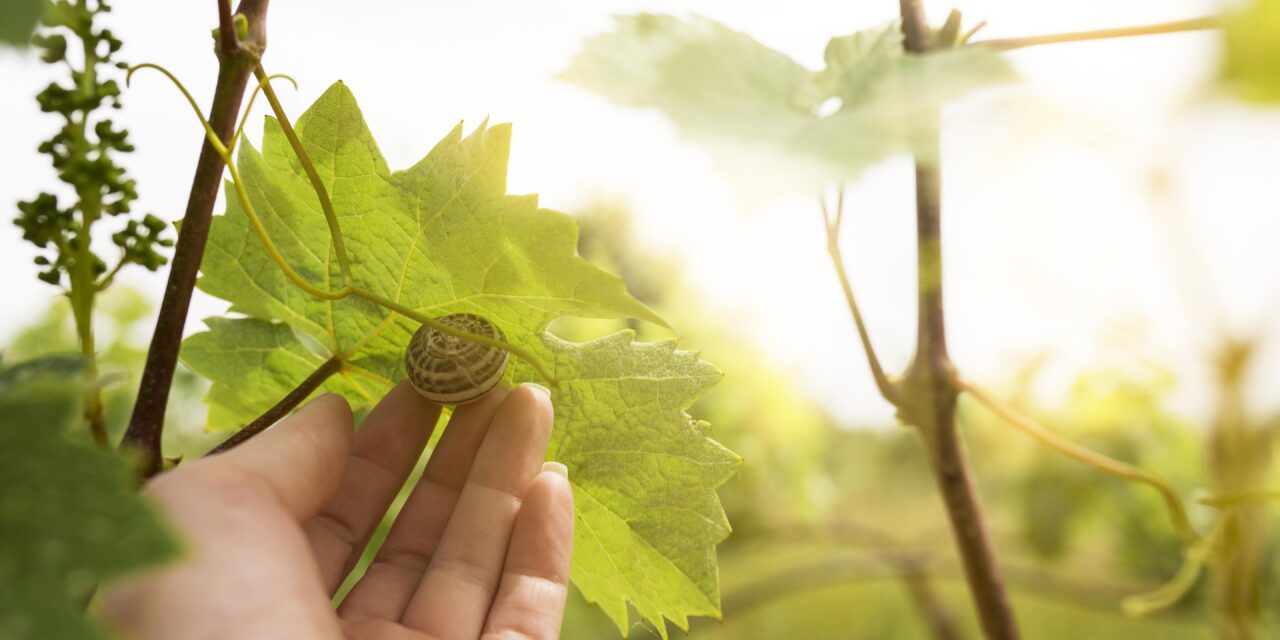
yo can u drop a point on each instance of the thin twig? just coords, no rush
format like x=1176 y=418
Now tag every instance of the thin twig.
x=1194 y=558
x=1237 y=499
x=886 y=386
x=844 y=569
x=284 y=406
x=1122 y=470
x=1178 y=26
x=839 y=211
x=326 y=205
x=248 y=108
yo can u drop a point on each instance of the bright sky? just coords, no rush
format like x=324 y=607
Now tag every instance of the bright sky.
x=1056 y=240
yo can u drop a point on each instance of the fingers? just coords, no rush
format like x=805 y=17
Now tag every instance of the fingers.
x=454 y=597
x=384 y=451
x=393 y=576
x=301 y=460
x=535 y=580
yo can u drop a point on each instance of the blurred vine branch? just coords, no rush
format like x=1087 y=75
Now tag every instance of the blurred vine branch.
x=833 y=225
x=1173 y=502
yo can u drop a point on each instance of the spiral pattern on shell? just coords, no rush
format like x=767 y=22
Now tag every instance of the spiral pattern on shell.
x=449 y=370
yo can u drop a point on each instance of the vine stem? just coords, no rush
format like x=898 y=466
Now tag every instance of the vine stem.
x=1122 y=470
x=1177 y=26
x=1236 y=499
x=244 y=117
x=146 y=425
x=927 y=394
x=284 y=406
x=1194 y=557
x=886 y=386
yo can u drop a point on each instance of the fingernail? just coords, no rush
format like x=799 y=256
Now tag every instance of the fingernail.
x=543 y=390
x=556 y=467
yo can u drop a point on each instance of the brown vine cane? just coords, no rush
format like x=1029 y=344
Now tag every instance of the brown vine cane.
x=446 y=369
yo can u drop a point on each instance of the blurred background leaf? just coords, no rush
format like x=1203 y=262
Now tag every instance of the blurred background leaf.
x=18 y=19
x=70 y=516
x=1251 y=51
x=775 y=126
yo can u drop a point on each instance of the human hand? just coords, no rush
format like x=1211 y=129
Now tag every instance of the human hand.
x=481 y=547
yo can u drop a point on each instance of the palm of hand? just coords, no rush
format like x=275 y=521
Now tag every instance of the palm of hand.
x=481 y=547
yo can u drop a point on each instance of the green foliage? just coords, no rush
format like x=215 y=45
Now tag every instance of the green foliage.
x=255 y=360
x=763 y=115
x=18 y=19
x=644 y=476
x=1251 y=51
x=81 y=152
x=69 y=514
x=444 y=237
x=118 y=314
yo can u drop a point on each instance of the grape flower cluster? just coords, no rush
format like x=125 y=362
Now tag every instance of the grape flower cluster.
x=82 y=152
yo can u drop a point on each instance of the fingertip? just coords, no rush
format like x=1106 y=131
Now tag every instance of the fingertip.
x=530 y=404
x=555 y=467
x=532 y=400
x=334 y=405
x=551 y=493
x=328 y=420
x=303 y=457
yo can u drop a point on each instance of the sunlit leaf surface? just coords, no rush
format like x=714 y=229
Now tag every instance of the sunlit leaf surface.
x=444 y=237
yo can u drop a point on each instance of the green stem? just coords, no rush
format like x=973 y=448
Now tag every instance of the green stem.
x=1178 y=26
x=326 y=205
x=887 y=388
x=1237 y=499
x=1193 y=561
x=82 y=278
x=1122 y=470
x=244 y=116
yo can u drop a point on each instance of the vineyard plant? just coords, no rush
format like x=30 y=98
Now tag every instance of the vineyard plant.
x=329 y=260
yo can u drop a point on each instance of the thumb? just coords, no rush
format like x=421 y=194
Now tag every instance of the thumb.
x=302 y=459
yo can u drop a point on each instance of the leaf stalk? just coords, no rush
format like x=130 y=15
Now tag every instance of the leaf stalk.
x=1177 y=26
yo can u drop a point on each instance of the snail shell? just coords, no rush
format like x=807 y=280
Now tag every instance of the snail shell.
x=449 y=370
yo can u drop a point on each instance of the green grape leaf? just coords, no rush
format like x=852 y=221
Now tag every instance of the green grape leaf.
x=18 y=19
x=1251 y=51
x=444 y=237
x=251 y=361
x=440 y=237
x=644 y=476
x=69 y=515
x=763 y=116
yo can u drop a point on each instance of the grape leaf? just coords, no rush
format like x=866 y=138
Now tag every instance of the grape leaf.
x=444 y=237
x=441 y=237
x=644 y=476
x=256 y=359
x=1251 y=51
x=762 y=115
x=69 y=515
